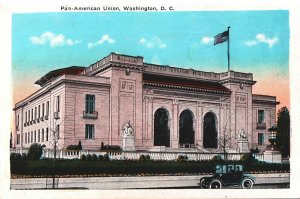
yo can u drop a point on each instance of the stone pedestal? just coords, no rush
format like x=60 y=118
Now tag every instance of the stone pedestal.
x=128 y=143
x=272 y=156
x=243 y=146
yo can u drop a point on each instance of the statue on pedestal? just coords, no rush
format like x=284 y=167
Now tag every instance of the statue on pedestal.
x=243 y=144
x=242 y=135
x=128 y=137
x=127 y=129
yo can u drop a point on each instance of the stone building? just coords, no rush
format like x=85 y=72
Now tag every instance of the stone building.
x=169 y=108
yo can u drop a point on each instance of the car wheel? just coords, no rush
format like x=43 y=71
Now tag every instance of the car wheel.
x=247 y=183
x=215 y=184
x=202 y=186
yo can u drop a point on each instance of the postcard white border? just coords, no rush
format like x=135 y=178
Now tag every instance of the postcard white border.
x=7 y=8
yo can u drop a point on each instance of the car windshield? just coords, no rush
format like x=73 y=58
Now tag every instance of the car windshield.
x=230 y=168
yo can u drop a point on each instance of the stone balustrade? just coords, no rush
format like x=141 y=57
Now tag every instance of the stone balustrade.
x=135 y=155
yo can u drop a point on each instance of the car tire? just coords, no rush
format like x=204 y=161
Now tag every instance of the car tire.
x=215 y=184
x=202 y=183
x=247 y=183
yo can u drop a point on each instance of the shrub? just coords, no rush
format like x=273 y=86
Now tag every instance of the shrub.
x=12 y=156
x=94 y=157
x=254 y=150
x=18 y=156
x=100 y=157
x=182 y=158
x=35 y=151
x=144 y=158
x=217 y=159
x=147 y=157
x=82 y=157
x=73 y=147
x=110 y=147
x=88 y=157
x=106 y=157
x=248 y=158
x=79 y=145
x=24 y=156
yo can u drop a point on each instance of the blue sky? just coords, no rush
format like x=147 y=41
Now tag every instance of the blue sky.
x=259 y=40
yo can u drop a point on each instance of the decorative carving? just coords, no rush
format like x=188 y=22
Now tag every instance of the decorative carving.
x=148 y=99
x=127 y=86
x=175 y=101
x=148 y=91
x=223 y=106
x=241 y=85
x=127 y=129
x=127 y=71
x=186 y=94
x=241 y=99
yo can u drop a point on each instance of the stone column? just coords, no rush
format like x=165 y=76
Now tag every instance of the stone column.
x=175 y=124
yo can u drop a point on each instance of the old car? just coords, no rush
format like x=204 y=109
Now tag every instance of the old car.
x=228 y=175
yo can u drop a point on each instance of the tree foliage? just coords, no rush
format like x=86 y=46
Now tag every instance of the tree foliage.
x=35 y=151
x=283 y=131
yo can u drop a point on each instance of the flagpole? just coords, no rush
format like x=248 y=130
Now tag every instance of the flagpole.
x=228 y=49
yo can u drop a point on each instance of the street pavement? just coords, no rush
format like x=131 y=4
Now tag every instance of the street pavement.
x=263 y=181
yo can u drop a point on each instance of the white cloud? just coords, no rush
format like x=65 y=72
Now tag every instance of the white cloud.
x=103 y=39
x=250 y=43
x=155 y=42
x=207 y=40
x=53 y=40
x=262 y=38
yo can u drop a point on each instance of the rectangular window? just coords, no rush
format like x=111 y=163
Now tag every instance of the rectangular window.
x=31 y=136
x=35 y=113
x=28 y=137
x=56 y=133
x=58 y=103
x=18 y=120
x=39 y=111
x=18 y=139
x=47 y=108
x=32 y=114
x=39 y=135
x=42 y=135
x=89 y=131
x=261 y=138
x=261 y=115
x=34 y=136
x=43 y=109
x=90 y=104
x=47 y=134
x=29 y=115
x=25 y=138
x=25 y=116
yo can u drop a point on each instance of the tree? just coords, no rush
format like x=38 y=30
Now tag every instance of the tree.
x=283 y=131
x=35 y=151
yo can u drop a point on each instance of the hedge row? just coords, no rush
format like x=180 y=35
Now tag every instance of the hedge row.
x=79 y=167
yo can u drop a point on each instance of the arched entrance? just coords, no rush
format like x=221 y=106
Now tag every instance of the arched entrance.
x=161 y=128
x=186 y=130
x=210 y=135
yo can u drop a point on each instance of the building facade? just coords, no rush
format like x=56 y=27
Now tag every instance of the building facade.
x=168 y=107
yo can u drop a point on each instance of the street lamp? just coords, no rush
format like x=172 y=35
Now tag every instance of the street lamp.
x=272 y=139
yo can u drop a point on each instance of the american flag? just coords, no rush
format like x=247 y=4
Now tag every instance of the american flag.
x=220 y=38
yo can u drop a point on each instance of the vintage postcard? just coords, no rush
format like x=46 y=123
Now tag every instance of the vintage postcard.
x=124 y=100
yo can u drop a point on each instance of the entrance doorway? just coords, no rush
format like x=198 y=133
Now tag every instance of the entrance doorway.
x=161 y=128
x=210 y=135
x=186 y=129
